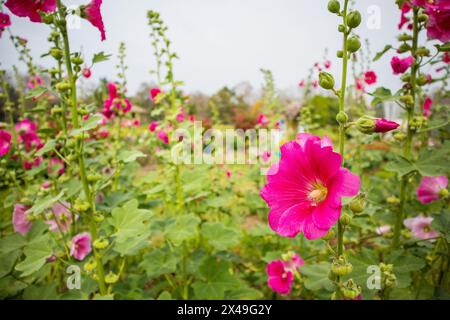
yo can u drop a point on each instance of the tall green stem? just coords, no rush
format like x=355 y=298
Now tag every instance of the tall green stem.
x=82 y=168
x=410 y=133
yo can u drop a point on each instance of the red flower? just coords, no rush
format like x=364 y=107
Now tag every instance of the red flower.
x=92 y=13
x=370 y=77
x=86 y=72
x=31 y=8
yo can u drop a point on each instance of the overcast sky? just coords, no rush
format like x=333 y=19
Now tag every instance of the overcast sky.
x=219 y=42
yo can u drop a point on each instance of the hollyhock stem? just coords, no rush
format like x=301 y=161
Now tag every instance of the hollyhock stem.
x=410 y=133
x=340 y=247
x=81 y=164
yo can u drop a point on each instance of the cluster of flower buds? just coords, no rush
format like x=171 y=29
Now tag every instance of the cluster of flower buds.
x=341 y=267
x=388 y=278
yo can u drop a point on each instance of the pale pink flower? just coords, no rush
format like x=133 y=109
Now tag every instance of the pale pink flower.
x=81 y=246
x=432 y=189
x=266 y=155
x=383 y=230
x=61 y=217
x=421 y=227
x=304 y=190
x=20 y=221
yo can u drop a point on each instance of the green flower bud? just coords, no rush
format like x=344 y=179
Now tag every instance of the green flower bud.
x=63 y=86
x=326 y=80
x=357 y=205
x=404 y=37
x=77 y=60
x=443 y=193
x=399 y=136
x=330 y=235
x=345 y=219
x=101 y=243
x=353 y=44
x=408 y=99
x=404 y=47
x=342 y=118
x=56 y=53
x=340 y=54
x=47 y=18
x=98 y=217
x=334 y=6
x=111 y=278
x=354 y=19
x=422 y=80
x=423 y=52
x=393 y=200
x=94 y=177
x=366 y=125
x=341 y=28
x=423 y=18
x=81 y=206
x=90 y=265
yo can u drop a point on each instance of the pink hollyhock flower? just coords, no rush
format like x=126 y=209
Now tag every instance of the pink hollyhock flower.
x=5 y=142
x=154 y=92
x=293 y=262
x=128 y=106
x=399 y=66
x=302 y=138
x=162 y=135
x=370 y=77
x=304 y=190
x=427 y=107
x=152 y=127
x=92 y=13
x=228 y=173
x=431 y=189
x=81 y=246
x=280 y=280
x=31 y=141
x=25 y=126
x=46 y=185
x=406 y=7
x=103 y=133
x=438 y=25
x=421 y=227
x=360 y=85
x=55 y=164
x=263 y=120
x=34 y=82
x=446 y=58
x=136 y=122
x=327 y=64
x=180 y=116
x=31 y=8
x=383 y=125
x=383 y=230
x=30 y=164
x=5 y=22
x=86 y=72
x=301 y=84
x=112 y=90
x=266 y=155
x=61 y=217
x=20 y=221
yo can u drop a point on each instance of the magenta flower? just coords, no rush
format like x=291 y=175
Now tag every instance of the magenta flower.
x=263 y=120
x=438 y=25
x=61 y=217
x=5 y=22
x=304 y=190
x=25 y=126
x=162 y=135
x=370 y=77
x=34 y=82
x=399 y=66
x=20 y=221
x=86 y=72
x=92 y=13
x=421 y=227
x=383 y=125
x=180 y=116
x=31 y=8
x=152 y=127
x=280 y=279
x=31 y=141
x=406 y=7
x=154 y=92
x=5 y=142
x=81 y=246
x=432 y=189
x=427 y=104
x=55 y=165
x=29 y=164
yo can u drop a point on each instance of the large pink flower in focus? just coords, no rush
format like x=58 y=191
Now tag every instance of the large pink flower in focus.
x=432 y=189
x=421 y=227
x=304 y=190
x=5 y=142
x=438 y=11
x=81 y=246
x=31 y=8
x=93 y=14
x=20 y=221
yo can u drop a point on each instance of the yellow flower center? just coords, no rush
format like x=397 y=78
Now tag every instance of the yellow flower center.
x=318 y=193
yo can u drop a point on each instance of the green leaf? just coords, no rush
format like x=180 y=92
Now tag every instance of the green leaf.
x=381 y=95
x=404 y=263
x=7 y=262
x=130 y=227
x=184 y=228
x=36 y=254
x=317 y=276
x=43 y=204
x=441 y=223
x=127 y=156
x=382 y=52
x=165 y=295
x=100 y=57
x=400 y=165
x=88 y=124
x=361 y=262
x=215 y=280
x=48 y=146
x=159 y=262
x=36 y=93
x=219 y=236
x=433 y=163
x=11 y=243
